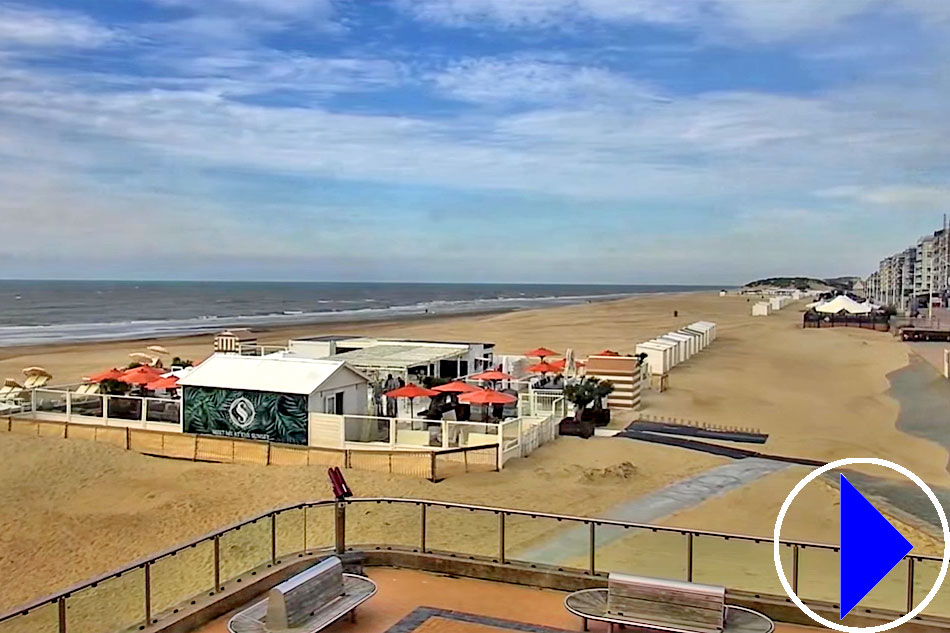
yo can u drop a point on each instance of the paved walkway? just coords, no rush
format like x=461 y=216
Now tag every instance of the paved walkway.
x=573 y=543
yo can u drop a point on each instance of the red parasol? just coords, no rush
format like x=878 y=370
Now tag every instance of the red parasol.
x=541 y=352
x=168 y=382
x=141 y=375
x=487 y=396
x=109 y=374
x=607 y=352
x=559 y=364
x=411 y=391
x=543 y=368
x=455 y=387
x=493 y=375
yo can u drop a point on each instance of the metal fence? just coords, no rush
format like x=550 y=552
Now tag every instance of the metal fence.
x=143 y=591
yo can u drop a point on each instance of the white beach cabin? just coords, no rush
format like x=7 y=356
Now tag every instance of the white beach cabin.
x=659 y=357
x=271 y=398
x=685 y=343
x=763 y=308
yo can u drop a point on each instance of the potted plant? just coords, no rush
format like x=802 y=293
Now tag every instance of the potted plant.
x=581 y=394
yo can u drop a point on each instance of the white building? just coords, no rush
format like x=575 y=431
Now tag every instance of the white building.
x=268 y=397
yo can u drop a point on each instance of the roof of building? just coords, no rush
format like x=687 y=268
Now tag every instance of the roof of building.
x=392 y=355
x=276 y=373
x=368 y=340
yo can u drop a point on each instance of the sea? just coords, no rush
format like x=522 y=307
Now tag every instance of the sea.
x=42 y=312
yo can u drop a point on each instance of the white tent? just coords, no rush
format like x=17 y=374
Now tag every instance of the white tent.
x=843 y=303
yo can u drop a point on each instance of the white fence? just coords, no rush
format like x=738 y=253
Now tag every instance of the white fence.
x=517 y=437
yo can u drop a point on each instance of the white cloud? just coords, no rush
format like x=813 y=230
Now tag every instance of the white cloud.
x=764 y=20
x=273 y=7
x=492 y=80
x=21 y=26
x=898 y=197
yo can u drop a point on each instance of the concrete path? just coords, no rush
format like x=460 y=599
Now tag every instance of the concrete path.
x=573 y=543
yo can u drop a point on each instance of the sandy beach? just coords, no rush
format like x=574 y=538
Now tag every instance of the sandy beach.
x=69 y=507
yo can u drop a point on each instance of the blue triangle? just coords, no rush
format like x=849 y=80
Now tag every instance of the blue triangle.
x=870 y=547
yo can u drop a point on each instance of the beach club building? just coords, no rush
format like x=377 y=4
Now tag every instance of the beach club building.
x=271 y=398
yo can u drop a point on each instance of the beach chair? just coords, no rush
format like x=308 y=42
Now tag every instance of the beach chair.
x=36 y=381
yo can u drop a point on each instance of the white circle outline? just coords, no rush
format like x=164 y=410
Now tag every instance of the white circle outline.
x=778 y=558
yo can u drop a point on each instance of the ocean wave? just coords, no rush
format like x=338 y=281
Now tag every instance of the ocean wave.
x=162 y=328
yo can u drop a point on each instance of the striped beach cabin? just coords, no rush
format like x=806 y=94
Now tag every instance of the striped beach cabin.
x=625 y=374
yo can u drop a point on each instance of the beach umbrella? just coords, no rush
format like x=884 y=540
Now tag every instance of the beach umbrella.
x=143 y=358
x=487 y=397
x=541 y=352
x=109 y=374
x=569 y=364
x=140 y=375
x=543 y=368
x=493 y=375
x=166 y=382
x=607 y=352
x=158 y=349
x=456 y=386
x=411 y=392
x=36 y=371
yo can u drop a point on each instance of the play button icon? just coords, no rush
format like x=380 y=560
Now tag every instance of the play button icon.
x=870 y=547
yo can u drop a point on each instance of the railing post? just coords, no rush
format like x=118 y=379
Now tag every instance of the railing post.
x=501 y=538
x=69 y=405
x=148 y=594
x=422 y=529
x=340 y=527
x=105 y=409
x=217 y=563
x=689 y=557
x=273 y=539
x=61 y=603
x=592 y=546
x=144 y=402
x=910 y=584
x=795 y=568
x=392 y=432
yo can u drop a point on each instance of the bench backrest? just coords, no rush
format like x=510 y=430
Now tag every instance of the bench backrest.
x=295 y=600
x=682 y=605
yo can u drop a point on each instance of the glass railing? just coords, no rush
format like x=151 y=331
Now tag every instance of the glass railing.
x=151 y=589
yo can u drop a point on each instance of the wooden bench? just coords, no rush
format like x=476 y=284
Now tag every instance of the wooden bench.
x=664 y=605
x=309 y=602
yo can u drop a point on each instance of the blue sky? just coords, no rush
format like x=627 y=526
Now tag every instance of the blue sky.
x=614 y=141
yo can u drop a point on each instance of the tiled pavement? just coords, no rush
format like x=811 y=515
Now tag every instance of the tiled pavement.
x=418 y=602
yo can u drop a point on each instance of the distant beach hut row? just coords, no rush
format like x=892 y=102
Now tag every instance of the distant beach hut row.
x=666 y=352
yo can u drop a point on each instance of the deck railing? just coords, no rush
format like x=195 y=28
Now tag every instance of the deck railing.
x=143 y=591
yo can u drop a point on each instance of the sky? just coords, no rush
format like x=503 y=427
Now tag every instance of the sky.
x=589 y=141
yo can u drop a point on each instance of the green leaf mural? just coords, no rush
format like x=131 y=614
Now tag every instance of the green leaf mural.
x=257 y=415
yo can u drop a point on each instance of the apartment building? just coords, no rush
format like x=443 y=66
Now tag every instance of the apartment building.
x=908 y=279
